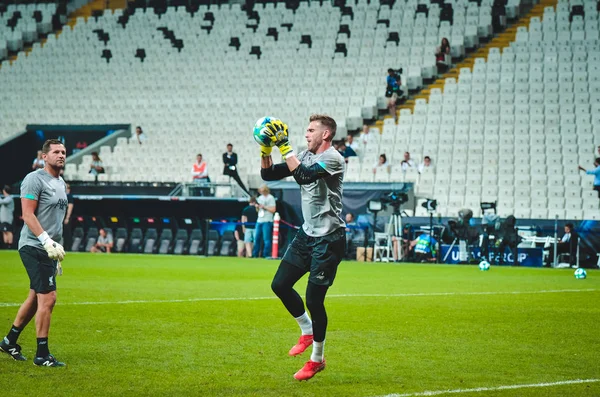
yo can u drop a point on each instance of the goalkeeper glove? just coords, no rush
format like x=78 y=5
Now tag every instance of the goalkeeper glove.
x=280 y=130
x=265 y=151
x=55 y=250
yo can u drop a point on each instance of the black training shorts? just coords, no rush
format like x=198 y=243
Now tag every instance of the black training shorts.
x=5 y=227
x=40 y=269
x=318 y=255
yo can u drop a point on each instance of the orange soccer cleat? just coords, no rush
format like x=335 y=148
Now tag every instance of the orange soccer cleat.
x=309 y=370
x=303 y=343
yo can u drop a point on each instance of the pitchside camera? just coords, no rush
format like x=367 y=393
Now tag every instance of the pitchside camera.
x=430 y=205
x=395 y=199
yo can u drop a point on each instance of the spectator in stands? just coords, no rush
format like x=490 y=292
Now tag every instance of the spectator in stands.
x=351 y=144
x=364 y=136
x=441 y=52
x=230 y=161
x=426 y=164
x=265 y=204
x=38 y=162
x=566 y=245
x=392 y=91
x=239 y=239
x=346 y=151
x=382 y=164
x=104 y=243
x=67 y=232
x=596 y=173
x=96 y=167
x=407 y=162
x=7 y=209
x=139 y=135
x=200 y=170
x=249 y=217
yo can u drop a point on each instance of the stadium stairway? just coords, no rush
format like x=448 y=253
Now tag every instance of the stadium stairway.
x=501 y=41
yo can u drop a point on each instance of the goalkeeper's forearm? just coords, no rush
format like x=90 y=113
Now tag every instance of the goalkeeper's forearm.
x=275 y=172
x=33 y=223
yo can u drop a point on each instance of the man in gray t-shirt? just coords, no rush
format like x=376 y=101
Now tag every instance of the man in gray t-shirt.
x=7 y=209
x=104 y=242
x=44 y=204
x=320 y=245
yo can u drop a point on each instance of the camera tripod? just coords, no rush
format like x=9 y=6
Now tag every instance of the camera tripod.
x=394 y=229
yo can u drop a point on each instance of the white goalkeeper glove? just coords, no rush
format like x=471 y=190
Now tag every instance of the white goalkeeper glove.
x=55 y=250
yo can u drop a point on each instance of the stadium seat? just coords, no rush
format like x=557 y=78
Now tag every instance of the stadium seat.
x=78 y=235
x=165 y=240
x=135 y=240
x=91 y=238
x=120 y=239
x=212 y=243
x=150 y=240
x=181 y=238
x=196 y=242
x=227 y=246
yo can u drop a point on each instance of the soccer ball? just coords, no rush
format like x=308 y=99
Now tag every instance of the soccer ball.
x=259 y=135
x=484 y=265
x=580 y=273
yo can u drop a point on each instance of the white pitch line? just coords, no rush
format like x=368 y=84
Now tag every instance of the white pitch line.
x=224 y=299
x=495 y=388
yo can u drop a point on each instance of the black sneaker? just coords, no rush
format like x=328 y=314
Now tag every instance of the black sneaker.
x=48 y=361
x=13 y=350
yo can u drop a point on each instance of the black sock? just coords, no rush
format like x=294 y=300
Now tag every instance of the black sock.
x=13 y=334
x=42 y=347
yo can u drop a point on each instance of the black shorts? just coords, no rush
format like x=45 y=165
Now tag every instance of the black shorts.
x=40 y=269
x=5 y=227
x=318 y=255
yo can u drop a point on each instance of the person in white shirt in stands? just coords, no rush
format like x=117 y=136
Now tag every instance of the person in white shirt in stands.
x=426 y=164
x=364 y=135
x=351 y=144
x=407 y=162
x=139 y=135
x=38 y=162
x=200 y=170
x=381 y=165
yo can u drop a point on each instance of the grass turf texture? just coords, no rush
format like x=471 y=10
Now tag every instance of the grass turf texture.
x=376 y=345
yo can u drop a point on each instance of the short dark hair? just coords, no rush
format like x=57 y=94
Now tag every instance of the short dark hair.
x=48 y=143
x=569 y=225
x=230 y=144
x=597 y=160
x=427 y=157
x=384 y=157
x=199 y=154
x=390 y=70
x=327 y=121
x=7 y=189
x=252 y=199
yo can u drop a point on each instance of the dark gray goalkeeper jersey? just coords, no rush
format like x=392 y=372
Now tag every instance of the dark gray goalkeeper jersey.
x=322 y=199
x=51 y=195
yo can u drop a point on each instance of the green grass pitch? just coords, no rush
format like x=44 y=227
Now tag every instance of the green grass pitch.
x=165 y=325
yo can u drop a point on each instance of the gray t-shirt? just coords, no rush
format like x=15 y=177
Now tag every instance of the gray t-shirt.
x=263 y=214
x=105 y=240
x=51 y=195
x=322 y=199
x=7 y=209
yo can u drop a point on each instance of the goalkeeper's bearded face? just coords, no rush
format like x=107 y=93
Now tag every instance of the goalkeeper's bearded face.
x=316 y=133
